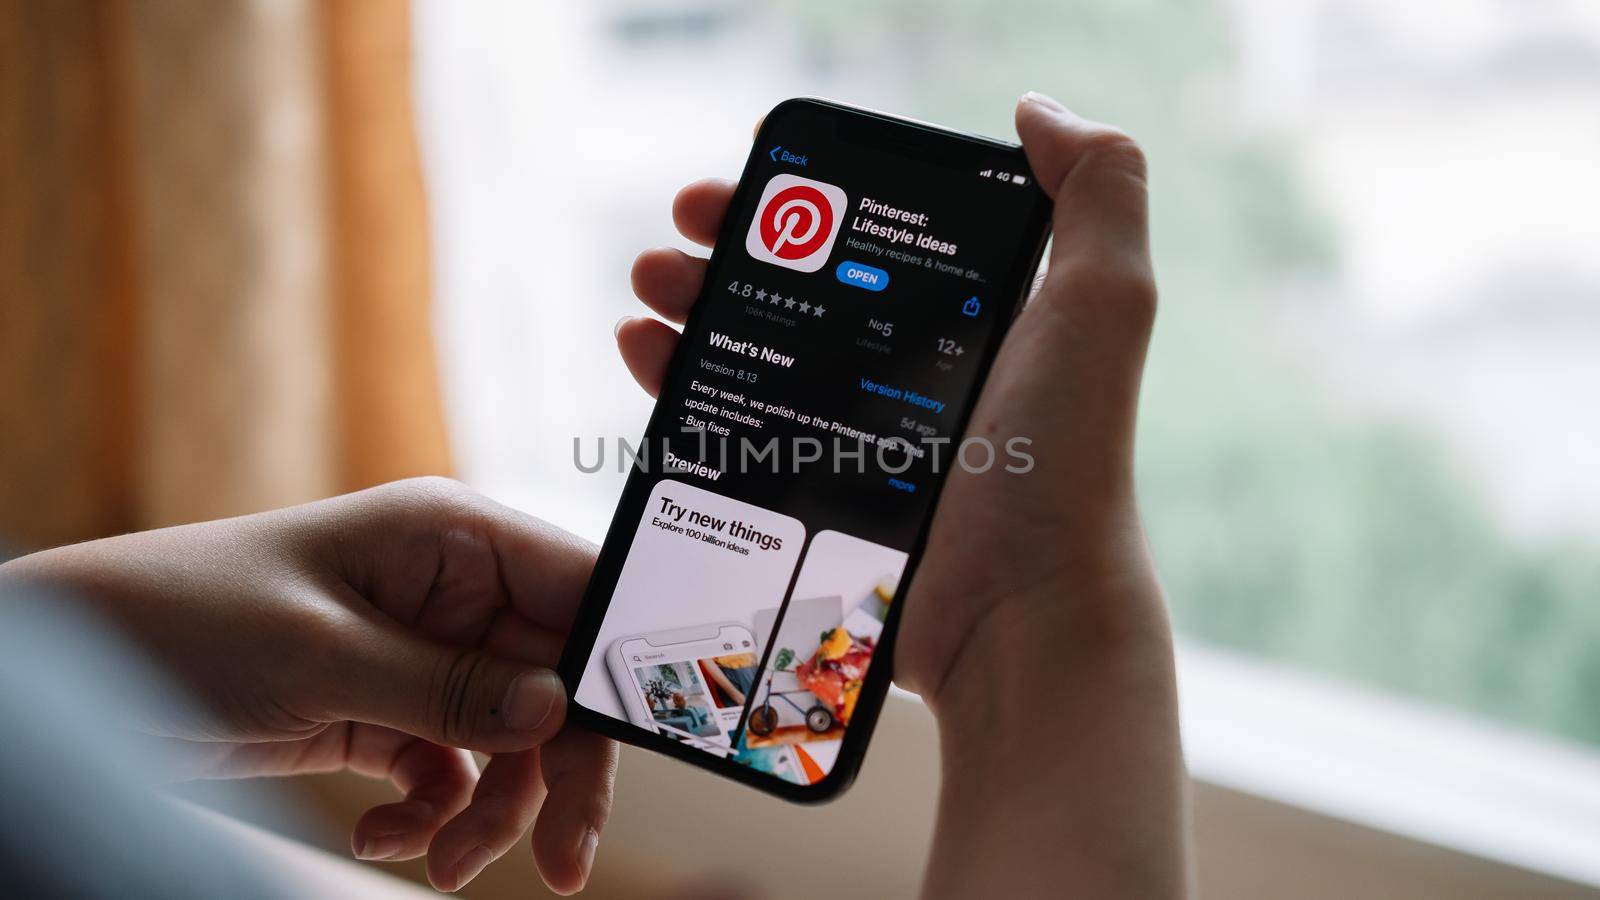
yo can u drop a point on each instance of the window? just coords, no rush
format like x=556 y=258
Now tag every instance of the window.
x=1369 y=440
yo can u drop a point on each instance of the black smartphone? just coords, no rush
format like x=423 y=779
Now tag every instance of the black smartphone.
x=742 y=613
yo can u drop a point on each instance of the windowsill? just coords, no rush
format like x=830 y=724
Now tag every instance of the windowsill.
x=1390 y=763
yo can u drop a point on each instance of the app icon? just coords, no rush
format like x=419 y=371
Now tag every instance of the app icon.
x=796 y=222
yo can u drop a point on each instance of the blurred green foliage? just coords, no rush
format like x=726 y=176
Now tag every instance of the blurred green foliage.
x=1282 y=527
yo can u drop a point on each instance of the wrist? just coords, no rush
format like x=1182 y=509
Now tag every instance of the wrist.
x=1059 y=748
x=1038 y=664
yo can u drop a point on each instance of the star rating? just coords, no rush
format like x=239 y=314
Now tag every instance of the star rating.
x=762 y=295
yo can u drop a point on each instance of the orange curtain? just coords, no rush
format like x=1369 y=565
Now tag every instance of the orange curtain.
x=390 y=410
x=213 y=258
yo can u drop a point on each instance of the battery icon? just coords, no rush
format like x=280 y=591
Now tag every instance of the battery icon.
x=1019 y=179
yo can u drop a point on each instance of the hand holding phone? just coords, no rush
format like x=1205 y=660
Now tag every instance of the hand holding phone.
x=1091 y=797
x=860 y=286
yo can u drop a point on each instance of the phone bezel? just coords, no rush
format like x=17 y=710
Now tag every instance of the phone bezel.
x=878 y=129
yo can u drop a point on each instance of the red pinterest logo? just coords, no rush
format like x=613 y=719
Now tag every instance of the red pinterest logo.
x=796 y=222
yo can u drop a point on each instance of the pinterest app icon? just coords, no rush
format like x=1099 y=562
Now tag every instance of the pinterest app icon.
x=796 y=222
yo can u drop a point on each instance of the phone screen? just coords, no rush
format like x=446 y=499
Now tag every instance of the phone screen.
x=862 y=280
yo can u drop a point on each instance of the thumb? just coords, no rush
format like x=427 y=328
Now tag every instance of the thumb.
x=1069 y=372
x=454 y=696
x=1097 y=177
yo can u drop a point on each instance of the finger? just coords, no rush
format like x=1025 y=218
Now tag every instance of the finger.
x=465 y=593
x=579 y=769
x=505 y=802
x=668 y=281
x=538 y=570
x=324 y=751
x=1083 y=337
x=514 y=637
x=1096 y=174
x=544 y=569
x=699 y=208
x=1099 y=297
x=437 y=782
x=459 y=697
x=646 y=346
x=436 y=554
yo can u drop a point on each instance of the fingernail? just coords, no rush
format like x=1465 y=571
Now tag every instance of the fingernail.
x=1043 y=100
x=470 y=865
x=591 y=840
x=381 y=847
x=530 y=698
x=617 y=328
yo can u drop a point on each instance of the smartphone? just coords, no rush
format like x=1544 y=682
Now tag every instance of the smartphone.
x=742 y=613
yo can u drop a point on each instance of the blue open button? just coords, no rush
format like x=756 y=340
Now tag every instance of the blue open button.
x=862 y=276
